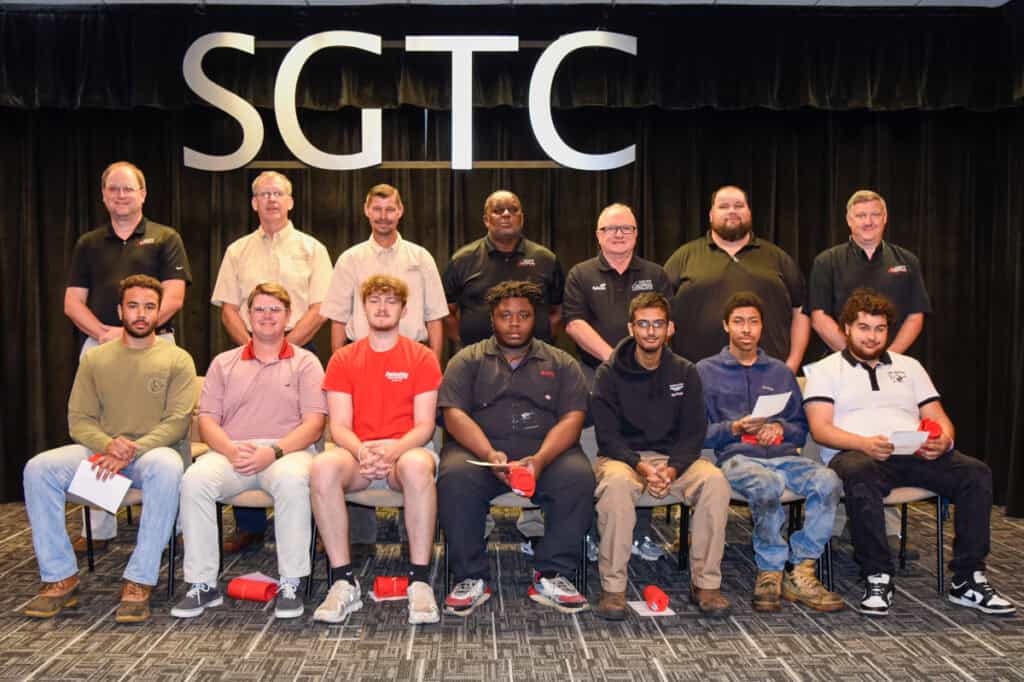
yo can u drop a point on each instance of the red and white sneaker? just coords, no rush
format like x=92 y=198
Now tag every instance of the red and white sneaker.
x=558 y=593
x=467 y=595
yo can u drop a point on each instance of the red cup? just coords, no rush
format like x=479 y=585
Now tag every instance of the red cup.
x=385 y=586
x=656 y=599
x=521 y=481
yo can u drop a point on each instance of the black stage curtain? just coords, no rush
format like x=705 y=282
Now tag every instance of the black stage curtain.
x=941 y=138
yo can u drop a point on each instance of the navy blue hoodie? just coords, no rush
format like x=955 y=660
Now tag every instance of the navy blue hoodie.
x=733 y=389
x=636 y=409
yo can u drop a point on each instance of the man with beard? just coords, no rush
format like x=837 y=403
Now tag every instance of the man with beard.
x=856 y=399
x=261 y=413
x=382 y=398
x=648 y=407
x=384 y=253
x=514 y=401
x=760 y=458
x=130 y=404
x=707 y=271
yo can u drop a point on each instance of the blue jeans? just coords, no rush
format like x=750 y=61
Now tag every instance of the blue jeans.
x=48 y=476
x=762 y=482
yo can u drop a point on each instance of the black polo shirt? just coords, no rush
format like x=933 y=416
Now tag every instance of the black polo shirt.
x=597 y=294
x=101 y=260
x=704 y=277
x=517 y=407
x=478 y=266
x=892 y=270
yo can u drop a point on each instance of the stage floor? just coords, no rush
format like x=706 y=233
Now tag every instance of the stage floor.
x=512 y=638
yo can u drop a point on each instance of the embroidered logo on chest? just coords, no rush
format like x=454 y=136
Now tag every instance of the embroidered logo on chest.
x=527 y=263
x=643 y=285
x=898 y=268
x=897 y=376
x=396 y=376
x=603 y=286
x=676 y=390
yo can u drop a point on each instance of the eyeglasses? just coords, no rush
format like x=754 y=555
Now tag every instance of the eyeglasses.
x=273 y=309
x=512 y=210
x=647 y=324
x=621 y=229
x=277 y=194
x=121 y=189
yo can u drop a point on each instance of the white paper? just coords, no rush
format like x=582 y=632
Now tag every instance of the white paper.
x=400 y=597
x=104 y=494
x=641 y=609
x=770 y=405
x=907 y=442
x=259 y=577
x=481 y=463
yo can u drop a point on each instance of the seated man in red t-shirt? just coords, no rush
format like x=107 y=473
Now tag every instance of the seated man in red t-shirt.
x=381 y=398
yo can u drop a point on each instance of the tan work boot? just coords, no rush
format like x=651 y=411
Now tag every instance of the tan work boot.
x=710 y=602
x=768 y=591
x=53 y=597
x=802 y=586
x=134 y=606
x=612 y=605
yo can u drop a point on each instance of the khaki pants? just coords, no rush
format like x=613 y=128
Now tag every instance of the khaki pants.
x=702 y=486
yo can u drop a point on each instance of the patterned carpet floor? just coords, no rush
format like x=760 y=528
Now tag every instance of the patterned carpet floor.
x=512 y=638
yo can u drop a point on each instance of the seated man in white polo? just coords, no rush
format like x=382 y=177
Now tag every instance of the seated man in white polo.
x=382 y=397
x=261 y=412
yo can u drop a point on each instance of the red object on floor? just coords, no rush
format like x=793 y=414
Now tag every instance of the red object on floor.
x=522 y=481
x=656 y=599
x=252 y=590
x=390 y=586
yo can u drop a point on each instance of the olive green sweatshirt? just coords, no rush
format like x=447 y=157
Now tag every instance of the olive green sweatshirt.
x=145 y=395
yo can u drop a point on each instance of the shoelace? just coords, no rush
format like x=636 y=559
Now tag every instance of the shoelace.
x=196 y=589
x=562 y=584
x=877 y=589
x=464 y=589
x=287 y=589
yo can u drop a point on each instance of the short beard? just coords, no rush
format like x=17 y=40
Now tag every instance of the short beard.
x=130 y=331
x=862 y=354
x=733 y=234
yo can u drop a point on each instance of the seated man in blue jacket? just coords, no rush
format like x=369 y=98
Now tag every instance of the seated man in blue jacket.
x=759 y=457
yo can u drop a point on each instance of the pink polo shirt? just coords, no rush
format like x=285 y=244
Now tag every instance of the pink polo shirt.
x=253 y=400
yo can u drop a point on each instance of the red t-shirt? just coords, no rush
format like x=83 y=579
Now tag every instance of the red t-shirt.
x=384 y=385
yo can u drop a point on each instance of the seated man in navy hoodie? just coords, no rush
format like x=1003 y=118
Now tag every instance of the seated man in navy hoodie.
x=759 y=457
x=648 y=411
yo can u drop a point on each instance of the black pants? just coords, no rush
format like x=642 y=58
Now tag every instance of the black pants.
x=565 y=493
x=965 y=480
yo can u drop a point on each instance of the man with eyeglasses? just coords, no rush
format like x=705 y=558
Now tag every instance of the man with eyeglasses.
x=596 y=313
x=128 y=244
x=648 y=408
x=705 y=272
x=274 y=252
x=262 y=412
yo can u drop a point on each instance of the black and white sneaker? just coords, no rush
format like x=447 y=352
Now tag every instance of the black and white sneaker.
x=977 y=593
x=289 y=598
x=198 y=598
x=878 y=591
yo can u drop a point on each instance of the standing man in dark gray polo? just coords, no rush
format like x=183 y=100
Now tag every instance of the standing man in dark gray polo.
x=129 y=244
x=708 y=270
x=596 y=313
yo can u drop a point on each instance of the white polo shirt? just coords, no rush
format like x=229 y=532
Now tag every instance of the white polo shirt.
x=410 y=263
x=293 y=259
x=870 y=401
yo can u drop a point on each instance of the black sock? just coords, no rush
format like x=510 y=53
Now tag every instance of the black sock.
x=419 y=573
x=344 y=573
x=789 y=567
x=548 y=574
x=959 y=579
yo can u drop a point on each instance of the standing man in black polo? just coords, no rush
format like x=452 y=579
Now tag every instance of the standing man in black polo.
x=129 y=244
x=596 y=313
x=708 y=270
x=501 y=255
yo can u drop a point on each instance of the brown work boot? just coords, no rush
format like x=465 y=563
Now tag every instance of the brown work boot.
x=53 y=597
x=134 y=607
x=241 y=541
x=81 y=546
x=611 y=606
x=802 y=586
x=710 y=602
x=768 y=591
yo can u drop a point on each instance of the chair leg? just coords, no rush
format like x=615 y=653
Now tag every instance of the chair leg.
x=447 y=575
x=684 y=537
x=903 y=537
x=940 y=568
x=220 y=539
x=171 y=555
x=825 y=566
x=90 y=554
x=128 y=514
x=312 y=558
x=581 y=567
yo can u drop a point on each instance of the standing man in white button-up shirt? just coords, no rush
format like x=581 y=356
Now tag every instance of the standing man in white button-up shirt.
x=274 y=252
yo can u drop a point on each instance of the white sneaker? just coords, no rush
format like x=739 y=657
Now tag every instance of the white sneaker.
x=342 y=599
x=878 y=591
x=422 y=605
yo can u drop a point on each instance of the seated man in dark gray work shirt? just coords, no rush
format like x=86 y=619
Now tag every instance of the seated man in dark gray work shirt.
x=516 y=400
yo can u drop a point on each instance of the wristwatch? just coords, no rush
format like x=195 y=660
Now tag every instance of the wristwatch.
x=278 y=452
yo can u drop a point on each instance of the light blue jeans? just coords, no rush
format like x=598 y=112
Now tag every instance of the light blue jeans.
x=47 y=477
x=762 y=482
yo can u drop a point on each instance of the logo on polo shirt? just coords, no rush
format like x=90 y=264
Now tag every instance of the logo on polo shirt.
x=897 y=376
x=148 y=240
x=526 y=262
x=766 y=387
x=156 y=385
x=676 y=390
x=643 y=285
x=898 y=268
x=603 y=286
x=396 y=376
